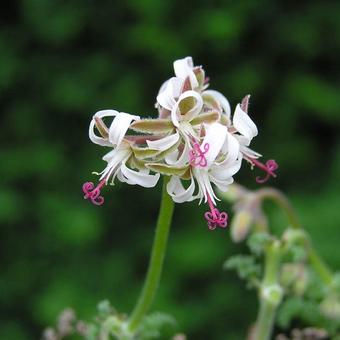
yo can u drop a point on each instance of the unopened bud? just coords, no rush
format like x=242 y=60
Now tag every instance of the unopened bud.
x=294 y=236
x=240 y=225
x=294 y=276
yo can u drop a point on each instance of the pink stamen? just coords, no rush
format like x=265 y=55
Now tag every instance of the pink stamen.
x=197 y=156
x=269 y=168
x=214 y=217
x=93 y=193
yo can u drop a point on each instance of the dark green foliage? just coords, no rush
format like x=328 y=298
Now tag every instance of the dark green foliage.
x=61 y=61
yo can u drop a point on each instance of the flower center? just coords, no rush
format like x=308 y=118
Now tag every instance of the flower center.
x=214 y=217
x=269 y=168
x=93 y=193
x=197 y=155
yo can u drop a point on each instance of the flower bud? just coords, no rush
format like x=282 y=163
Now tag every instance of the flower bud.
x=240 y=225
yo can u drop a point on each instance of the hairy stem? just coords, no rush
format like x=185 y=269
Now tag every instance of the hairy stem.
x=282 y=201
x=270 y=293
x=316 y=262
x=156 y=261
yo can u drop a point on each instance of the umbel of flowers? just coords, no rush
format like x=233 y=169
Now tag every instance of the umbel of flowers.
x=195 y=140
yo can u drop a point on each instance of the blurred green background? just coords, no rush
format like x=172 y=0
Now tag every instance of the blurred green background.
x=61 y=61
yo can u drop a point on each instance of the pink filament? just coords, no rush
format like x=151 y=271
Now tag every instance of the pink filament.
x=197 y=156
x=269 y=168
x=214 y=217
x=93 y=193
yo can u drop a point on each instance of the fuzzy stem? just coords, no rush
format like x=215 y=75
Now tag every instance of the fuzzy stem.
x=282 y=201
x=270 y=293
x=156 y=261
x=316 y=262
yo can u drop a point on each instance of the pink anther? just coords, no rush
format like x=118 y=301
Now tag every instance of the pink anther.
x=214 y=217
x=93 y=193
x=197 y=156
x=269 y=168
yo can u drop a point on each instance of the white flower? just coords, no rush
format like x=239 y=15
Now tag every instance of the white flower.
x=184 y=68
x=118 y=157
x=222 y=161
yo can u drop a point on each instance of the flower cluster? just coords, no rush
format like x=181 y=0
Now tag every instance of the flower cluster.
x=194 y=140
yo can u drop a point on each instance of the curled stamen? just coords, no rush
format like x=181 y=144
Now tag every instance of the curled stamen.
x=269 y=168
x=93 y=193
x=214 y=217
x=197 y=156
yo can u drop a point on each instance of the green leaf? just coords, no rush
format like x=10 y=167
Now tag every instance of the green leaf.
x=245 y=266
x=153 y=325
x=158 y=125
x=257 y=242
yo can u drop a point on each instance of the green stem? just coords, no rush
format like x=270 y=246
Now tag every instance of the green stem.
x=316 y=262
x=282 y=201
x=319 y=265
x=270 y=293
x=156 y=261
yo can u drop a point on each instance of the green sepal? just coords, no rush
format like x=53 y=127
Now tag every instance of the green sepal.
x=144 y=153
x=187 y=175
x=211 y=102
x=208 y=117
x=167 y=169
x=101 y=127
x=158 y=125
x=136 y=163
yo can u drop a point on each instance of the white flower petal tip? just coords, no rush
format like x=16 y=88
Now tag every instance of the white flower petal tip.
x=188 y=106
x=142 y=178
x=169 y=92
x=184 y=68
x=119 y=127
x=178 y=193
x=92 y=135
x=214 y=138
x=244 y=125
x=221 y=99
x=163 y=143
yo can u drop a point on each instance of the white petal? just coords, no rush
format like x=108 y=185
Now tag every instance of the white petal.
x=175 y=114
x=119 y=127
x=250 y=153
x=224 y=171
x=93 y=137
x=184 y=68
x=139 y=177
x=222 y=185
x=221 y=99
x=114 y=158
x=178 y=193
x=215 y=137
x=243 y=124
x=180 y=161
x=163 y=143
x=168 y=93
x=231 y=149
